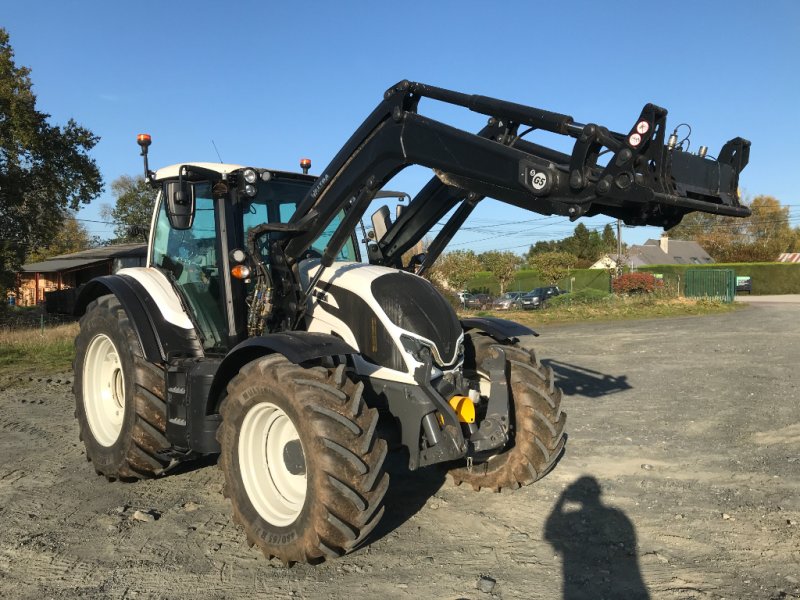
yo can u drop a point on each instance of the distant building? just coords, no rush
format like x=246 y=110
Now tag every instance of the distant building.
x=611 y=261
x=68 y=271
x=658 y=252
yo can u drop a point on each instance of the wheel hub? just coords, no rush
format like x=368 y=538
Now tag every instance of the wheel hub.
x=272 y=464
x=103 y=390
x=293 y=458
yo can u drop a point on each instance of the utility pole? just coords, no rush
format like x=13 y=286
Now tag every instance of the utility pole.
x=619 y=246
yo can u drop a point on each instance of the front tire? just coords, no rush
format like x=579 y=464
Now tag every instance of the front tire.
x=303 y=468
x=537 y=435
x=119 y=398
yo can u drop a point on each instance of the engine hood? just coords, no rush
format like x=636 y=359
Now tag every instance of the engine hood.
x=379 y=305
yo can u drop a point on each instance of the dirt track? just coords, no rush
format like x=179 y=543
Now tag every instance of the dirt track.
x=689 y=428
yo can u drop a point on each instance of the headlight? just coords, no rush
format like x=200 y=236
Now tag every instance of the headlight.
x=417 y=348
x=250 y=190
x=249 y=176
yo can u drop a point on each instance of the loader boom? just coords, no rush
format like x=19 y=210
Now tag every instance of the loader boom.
x=645 y=182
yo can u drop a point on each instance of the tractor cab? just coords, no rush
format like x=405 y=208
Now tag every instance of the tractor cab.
x=205 y=215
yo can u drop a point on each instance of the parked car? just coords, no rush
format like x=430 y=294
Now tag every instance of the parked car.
x=537 y=297
x=474 y=301
x=485 y=300
x=508 y=301
x=744 y=284
x=469 y=300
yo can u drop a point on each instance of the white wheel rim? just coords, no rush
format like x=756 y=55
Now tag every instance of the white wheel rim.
x=270 y=466
x=103 y=390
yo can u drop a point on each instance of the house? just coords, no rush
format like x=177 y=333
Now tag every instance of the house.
x=68 y=271
x=610 y=261
x=663 y=251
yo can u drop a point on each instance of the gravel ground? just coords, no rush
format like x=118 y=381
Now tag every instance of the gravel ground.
x=680 y=480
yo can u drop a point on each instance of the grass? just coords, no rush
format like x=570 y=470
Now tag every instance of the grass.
x=613 y=308
x=27 y=352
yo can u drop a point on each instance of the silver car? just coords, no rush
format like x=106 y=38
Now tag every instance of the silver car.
x=508 y=301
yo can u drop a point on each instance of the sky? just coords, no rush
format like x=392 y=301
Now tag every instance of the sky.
x=264 y=84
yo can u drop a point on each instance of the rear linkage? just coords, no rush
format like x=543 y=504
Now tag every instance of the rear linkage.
x=645 y=182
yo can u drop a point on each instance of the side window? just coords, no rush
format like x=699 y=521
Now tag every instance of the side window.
x=190 y=257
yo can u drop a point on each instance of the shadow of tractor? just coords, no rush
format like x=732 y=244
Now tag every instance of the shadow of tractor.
x=579 y=381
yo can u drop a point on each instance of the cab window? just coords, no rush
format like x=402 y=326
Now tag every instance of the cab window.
x=277 y=201
x=190 y=258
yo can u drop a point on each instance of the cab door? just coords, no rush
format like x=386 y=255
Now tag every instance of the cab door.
x=191 y=258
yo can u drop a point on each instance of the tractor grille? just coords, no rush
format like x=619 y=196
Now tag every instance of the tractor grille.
x=413 y=304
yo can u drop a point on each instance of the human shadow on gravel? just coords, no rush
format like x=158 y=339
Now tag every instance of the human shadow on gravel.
x=407 y=494
x=597 y=544
x=574 y=380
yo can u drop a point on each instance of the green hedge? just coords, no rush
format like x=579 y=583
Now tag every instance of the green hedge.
x=526 y=280
x=766 y=278
x=584 y=296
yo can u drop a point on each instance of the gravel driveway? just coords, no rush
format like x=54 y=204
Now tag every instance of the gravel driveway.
x=680 y=480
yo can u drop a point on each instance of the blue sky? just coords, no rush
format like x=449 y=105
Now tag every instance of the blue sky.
x=272 y=82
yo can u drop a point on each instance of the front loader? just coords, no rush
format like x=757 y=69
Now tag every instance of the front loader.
x=257 y=331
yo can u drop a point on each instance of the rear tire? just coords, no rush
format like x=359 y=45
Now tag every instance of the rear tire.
x=536 y=440
x=303 y=468
x=119 y=396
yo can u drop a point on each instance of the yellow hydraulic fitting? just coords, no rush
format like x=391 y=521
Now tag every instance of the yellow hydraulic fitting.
x=464 y=408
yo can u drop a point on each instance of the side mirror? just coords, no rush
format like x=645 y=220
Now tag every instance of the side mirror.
x=381 y=221
x=180 y=199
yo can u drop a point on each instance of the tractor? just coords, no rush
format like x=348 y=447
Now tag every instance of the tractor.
x=259 y=332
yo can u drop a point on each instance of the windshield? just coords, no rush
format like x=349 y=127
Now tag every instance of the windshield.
x=277 y=200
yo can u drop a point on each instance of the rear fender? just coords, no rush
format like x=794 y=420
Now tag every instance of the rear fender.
x=157 y=337
x=297 y=346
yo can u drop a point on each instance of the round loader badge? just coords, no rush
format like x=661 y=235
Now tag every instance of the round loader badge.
x=635 y=139
x=538 y=179
x=643 y=127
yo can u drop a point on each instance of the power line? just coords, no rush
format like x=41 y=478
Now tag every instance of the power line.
x=525 y=233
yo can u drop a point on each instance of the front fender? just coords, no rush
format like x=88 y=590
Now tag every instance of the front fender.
x=502 y=330
x=297 y=346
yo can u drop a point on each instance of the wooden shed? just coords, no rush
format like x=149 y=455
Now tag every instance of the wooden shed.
x=68 y=271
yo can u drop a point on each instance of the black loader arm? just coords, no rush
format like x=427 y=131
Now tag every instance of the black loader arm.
x=645 y=181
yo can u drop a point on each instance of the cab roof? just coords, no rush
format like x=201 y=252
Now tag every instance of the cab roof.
x=172 y=170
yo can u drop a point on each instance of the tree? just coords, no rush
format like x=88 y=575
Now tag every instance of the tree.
x=71 y=237
x=794 y=246
x=503 y=265
x=133 y=209
x=609 y=239
x=544 y=246
x=456 y=268
x=552 y=266
x=585 y=244
x=45 y=170
x=768 y=227
x=762 y=237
